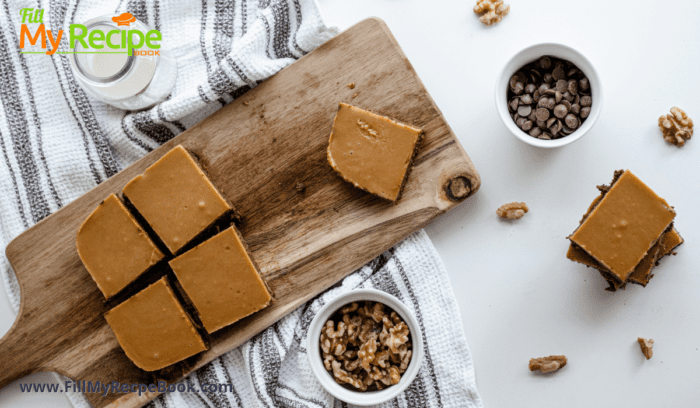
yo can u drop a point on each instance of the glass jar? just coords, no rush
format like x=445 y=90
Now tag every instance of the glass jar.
x=117 y=78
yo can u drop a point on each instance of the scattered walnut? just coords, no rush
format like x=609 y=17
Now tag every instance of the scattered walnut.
x=366 y=346
x=351 y=85
x=495 y=11
x=676 y=127
x=547 y=364
x=512 y=211
x=646 y=346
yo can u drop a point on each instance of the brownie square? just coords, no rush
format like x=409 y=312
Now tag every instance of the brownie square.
x=153 y=329
x=622 y=228
x=221 y=280
x=176 y=199
x=114 y=248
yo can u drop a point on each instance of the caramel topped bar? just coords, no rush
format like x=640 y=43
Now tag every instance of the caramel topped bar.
x=221 y=280
x=623 y=227
x=372 y=152
x=153 y=328
x=114 y=248
x=176 y=198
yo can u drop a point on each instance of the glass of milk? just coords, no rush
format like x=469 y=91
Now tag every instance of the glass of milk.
x=114 y=77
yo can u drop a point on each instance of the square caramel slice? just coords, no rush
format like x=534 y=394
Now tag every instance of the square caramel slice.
x=641 y=271
x=221 y=280
x=153 y=329
x=624 y=226
x=114 y=248
x=176 y=198
x=372 y=152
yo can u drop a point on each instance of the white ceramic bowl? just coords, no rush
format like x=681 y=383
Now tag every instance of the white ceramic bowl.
x=533 y=53
x=326 y=379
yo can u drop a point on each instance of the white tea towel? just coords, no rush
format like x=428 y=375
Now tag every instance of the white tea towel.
x=57 y=144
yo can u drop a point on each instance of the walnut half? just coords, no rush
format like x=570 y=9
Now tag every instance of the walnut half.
x=646 y=346
x=547 y=364
x=512 y=211
x=494 y=11
x=676 y=127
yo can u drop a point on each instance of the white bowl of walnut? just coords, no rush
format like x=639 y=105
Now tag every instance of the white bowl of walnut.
x=372 y=347
x=577 y=68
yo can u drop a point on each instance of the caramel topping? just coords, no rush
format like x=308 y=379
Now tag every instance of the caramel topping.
x=176 y=198
x=153 y=329
x=668 y=242
x=221 y=280
x=370 y=151
x=624 y=226
x=114 y=248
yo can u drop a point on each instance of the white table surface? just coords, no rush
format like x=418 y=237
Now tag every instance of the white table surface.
x=519 y=295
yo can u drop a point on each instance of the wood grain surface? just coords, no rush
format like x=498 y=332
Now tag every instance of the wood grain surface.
x=304 y=239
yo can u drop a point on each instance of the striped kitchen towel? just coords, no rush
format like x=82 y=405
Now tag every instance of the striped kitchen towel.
x=57 y=143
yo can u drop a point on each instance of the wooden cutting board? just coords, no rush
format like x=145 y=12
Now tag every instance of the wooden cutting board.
x=258 y=154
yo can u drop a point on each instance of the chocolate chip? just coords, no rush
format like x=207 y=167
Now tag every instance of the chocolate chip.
x=518 y=88
x=534 y=132
x=526 y=99
x=548 y=78
x=558 y=74
x=551 y=103
x=526 y=126
x=569 y=97
x=545 y=62
x=562 y=85
x=550 y=122
x=575 y=109
x=571 y=121
x=585 y=112
x=532 y=116
x=567 y=104
x=536 y=95
x=545 y=136
x=557 y=96
x=586 y=101
x=520 y=122
x=513 y=104
x=560 y=111
x=530 y=88
x=541 y=123
x=573 y=87
x=542 y=114
x=524 y=110
x=521 y=76
x=513 y=81
x=583 y=84
x=543 y=88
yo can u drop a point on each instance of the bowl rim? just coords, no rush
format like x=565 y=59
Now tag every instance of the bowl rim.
x=324 y=377
x=591 y=73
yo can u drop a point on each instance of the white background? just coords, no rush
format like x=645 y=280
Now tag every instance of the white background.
x=519 y=295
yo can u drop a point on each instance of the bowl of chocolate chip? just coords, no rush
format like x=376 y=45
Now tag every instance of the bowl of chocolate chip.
x=365 y=347
x=549 y=95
